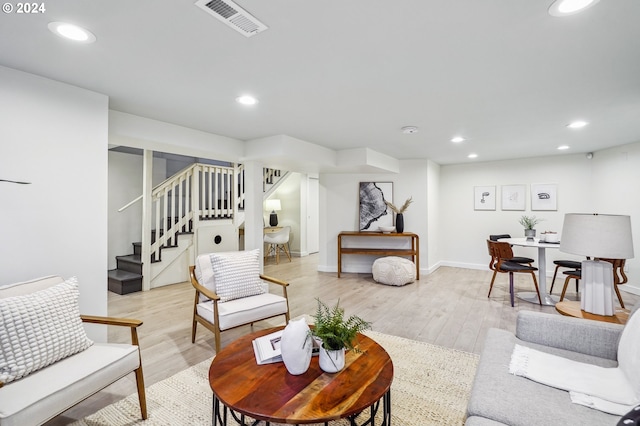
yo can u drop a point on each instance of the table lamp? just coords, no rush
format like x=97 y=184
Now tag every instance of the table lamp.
x=273 y=205
x=597 y=236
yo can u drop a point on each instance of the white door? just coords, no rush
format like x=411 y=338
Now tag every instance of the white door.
x=313 y=215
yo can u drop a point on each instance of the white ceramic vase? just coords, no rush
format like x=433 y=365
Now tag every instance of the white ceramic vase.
x=296 y=346
x=331 y=361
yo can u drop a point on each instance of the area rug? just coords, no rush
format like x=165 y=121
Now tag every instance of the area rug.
x=431 y=386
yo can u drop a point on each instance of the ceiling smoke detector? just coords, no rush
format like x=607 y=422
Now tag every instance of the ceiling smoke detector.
x=409 y=130
x=232 y=15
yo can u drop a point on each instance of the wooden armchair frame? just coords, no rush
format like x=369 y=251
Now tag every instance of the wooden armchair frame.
x=215 y=327
x=133 y=324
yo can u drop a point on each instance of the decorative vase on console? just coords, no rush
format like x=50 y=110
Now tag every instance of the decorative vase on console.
x=400 y=213
x=400 y=223
x=296 y=346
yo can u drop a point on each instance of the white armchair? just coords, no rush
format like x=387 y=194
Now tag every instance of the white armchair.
x=47 y=363
x=231 y=292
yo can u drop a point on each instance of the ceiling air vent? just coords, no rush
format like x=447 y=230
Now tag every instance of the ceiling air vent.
x=233 y=15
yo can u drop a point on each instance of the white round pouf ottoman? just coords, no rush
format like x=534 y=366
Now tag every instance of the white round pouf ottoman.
x=394 y=270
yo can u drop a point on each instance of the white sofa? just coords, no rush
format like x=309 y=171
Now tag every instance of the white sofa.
x=46 y=392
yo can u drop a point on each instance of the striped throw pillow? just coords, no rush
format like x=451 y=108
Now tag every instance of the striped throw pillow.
x=237 y=274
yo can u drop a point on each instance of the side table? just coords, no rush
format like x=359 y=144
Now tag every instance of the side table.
x=572 y=309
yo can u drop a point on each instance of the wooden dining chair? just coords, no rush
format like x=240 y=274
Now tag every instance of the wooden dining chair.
x=500 y=253
x=517 y=259
x=569 y=264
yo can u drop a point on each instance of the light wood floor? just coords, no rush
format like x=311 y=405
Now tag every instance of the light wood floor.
x=448 y=308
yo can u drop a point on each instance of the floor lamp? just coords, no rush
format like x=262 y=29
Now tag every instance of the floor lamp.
x=597 y=236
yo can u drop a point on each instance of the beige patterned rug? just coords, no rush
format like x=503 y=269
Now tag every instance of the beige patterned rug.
x=431 y=386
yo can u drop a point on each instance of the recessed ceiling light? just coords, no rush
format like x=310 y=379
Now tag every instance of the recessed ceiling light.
x=246 y=100
x=457 y=139
x=563 y=147
x=569 y=7
x=577 y=124
x=472 y=156
x=409 y=130
x=72 y=32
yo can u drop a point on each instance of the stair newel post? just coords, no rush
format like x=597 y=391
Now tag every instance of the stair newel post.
x=147 y=213
x=181 y=212
x=195 y=202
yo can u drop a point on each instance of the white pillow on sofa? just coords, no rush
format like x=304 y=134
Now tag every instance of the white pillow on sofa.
x=237 y=274
x=39 y=329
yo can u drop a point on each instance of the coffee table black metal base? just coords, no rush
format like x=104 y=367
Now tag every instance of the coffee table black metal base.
x=222 y=413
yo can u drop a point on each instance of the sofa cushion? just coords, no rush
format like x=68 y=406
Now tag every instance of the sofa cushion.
x=514 y=400
x=39 y=329
x=59 y=386
x=243 y=311
x=237 y=274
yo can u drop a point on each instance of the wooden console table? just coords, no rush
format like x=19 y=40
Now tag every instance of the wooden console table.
x=414 y=251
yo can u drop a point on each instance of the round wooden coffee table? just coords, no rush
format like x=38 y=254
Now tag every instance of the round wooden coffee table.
x=269 y=393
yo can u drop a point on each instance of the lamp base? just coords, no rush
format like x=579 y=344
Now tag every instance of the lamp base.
x=597 y=288
x=273 y=219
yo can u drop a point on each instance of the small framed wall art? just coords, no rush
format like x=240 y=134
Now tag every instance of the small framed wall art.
x=544 y=196
x=484 y=198
x=513 y=197
x=373 y=209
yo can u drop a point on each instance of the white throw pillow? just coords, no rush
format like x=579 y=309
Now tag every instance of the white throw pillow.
x=39 y=329
x=237 y=274
x=628 y=352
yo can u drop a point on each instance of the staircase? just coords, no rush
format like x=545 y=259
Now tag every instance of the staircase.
x=180 y=204
x=127 y=277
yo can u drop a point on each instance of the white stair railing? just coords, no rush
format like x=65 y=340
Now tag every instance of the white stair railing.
x=199 y=192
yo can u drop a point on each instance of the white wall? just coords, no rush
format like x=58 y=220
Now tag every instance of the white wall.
x=55 y=136
x=125 y=185
x=614 y=188
x=289 y=195
x=339 y=211
x=464 y=231
x=605 y=184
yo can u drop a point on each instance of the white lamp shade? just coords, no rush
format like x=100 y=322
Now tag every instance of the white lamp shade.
x=597 y=235
x=273 y=205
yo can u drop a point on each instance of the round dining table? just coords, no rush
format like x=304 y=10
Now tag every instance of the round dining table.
x=531 y=296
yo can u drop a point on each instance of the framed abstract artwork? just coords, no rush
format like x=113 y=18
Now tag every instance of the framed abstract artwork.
x=373 y=209
x=484 y=198
x=544 y=196
x=513 y=197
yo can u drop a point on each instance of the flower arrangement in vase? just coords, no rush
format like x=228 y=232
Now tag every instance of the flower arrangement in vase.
x=400 y=213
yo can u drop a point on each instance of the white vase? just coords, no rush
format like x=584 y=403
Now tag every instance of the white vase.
x=296 y=346
x=331 y=361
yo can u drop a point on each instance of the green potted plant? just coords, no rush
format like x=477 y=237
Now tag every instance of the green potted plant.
x=337 y=334
x=529 y=222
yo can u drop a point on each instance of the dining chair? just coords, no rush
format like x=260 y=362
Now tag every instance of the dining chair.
x=575 y=274
x=569 y=264
x=517 y=259
x=501 y=253
x=276 y=242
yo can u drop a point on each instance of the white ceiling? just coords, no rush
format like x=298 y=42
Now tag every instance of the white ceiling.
x=351 y=73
